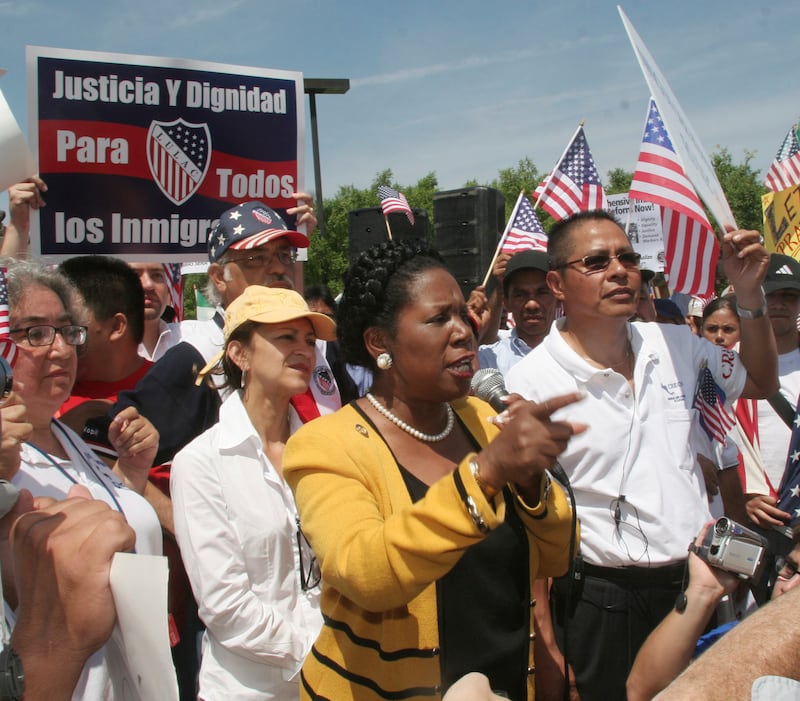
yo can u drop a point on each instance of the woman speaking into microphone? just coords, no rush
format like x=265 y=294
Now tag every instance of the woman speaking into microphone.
x=429 y=523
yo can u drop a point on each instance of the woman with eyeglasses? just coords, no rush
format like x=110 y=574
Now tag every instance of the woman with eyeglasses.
x=46 y=328
x=253 y=574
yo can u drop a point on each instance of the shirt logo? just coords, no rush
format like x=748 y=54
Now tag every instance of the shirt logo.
x=323 y=380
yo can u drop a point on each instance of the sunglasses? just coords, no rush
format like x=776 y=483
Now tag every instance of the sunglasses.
x=785 y=568
x=600 y=261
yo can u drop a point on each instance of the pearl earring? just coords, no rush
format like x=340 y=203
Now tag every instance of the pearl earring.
x=244 y=378
x=384 y=361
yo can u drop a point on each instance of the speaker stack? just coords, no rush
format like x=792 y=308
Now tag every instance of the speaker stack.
x=468 y=224
x=368 y=227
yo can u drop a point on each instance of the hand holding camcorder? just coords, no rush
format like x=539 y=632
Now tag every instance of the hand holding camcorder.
x=730 y=546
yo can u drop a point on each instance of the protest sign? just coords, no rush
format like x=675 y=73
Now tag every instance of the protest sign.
x=642 y=224
x=141 y=154
x=782 y=221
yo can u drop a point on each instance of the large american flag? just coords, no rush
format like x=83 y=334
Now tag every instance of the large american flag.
x=690 y=246
x=709 y=400
x=394 y=201
x=525 y=232
x=173 y=271
x=785 y=169
x=789 y=491
x=8 y=349
x=574 y=185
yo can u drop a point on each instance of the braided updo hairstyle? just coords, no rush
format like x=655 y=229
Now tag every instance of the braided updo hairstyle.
x=376 y=287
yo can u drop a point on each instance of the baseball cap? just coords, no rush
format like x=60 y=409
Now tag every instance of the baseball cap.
x=695 y=307
x=783 y=273
x=247 y=226
x=668 y=309
x=526 y=260
x=267 y=305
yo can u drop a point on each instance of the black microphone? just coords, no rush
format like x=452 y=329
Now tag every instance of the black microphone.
x=489 y=385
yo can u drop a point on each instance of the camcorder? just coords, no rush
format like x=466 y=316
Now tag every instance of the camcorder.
x=731 y=547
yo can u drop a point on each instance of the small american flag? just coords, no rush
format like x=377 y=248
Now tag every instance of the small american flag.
x=574 y=185
x=785 y=169
x=525 y=232
x=789 y=491
x=394 y=201
x=709 y=400
x=690 y=246
x=8 y=349
x=173 y=271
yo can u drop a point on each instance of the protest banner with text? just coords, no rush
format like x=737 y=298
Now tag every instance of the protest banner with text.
x=141 y=154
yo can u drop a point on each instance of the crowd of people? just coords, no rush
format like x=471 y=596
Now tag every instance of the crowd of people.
x=343 y=519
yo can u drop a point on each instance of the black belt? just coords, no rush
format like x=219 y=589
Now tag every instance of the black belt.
x=667 y=575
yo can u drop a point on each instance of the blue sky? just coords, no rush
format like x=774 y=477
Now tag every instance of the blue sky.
x=462 y=88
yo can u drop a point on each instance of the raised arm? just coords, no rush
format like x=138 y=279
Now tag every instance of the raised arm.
x=22 y=198
x=746 y=261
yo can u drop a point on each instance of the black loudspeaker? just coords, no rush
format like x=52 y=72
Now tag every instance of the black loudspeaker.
x=468 y=224
x=367 y=227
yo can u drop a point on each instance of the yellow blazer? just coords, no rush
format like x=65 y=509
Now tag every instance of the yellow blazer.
x=381 y=554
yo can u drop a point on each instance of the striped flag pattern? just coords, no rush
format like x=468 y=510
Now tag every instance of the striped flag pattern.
x=789 y=490
x=709 y=400
x=8 y=349
x=525 y=232
x=690 y=246
x=394 y=201
x=574 y=185
x=785 y=169
x=173 y=271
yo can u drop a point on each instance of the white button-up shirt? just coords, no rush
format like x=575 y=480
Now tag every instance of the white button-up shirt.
x=235 y=521
x=638 y=453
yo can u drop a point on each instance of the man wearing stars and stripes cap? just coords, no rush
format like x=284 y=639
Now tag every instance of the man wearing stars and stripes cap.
x=251 y=245
x=247 y=227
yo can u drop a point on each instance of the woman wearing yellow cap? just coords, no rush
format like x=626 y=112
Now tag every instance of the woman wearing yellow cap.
x=253 y=574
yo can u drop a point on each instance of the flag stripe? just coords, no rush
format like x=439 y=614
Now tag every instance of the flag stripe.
x=394 y=201
x=690 y=245
x=574 y=185
x=525 y=232
x=785 y=169
x=8 y=348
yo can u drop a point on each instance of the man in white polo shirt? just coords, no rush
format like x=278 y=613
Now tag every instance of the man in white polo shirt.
x=639 y=490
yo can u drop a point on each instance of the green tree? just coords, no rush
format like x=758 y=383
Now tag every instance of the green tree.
x=742 y=187
x=328 y=257
x=525 y=177
x=619 y=180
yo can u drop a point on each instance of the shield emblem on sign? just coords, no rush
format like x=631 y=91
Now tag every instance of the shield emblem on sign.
x=178 y=154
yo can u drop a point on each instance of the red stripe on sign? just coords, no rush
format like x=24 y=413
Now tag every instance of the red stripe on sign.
x=230 y=178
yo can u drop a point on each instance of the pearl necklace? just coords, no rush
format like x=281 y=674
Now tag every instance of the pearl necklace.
x=419 y=435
